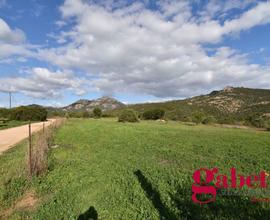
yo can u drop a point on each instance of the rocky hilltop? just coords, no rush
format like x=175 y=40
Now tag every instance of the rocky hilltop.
x=105 y=103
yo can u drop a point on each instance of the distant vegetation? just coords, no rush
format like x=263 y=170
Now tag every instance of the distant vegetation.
x=209 y=120
x=86 y=114
x=267 y=125
x=241 y=106
x=24 y=113
x=197 y=117
x=153 y=114
x=229 y=106
x=128 y=115
x=258 y=120
x=97 y=112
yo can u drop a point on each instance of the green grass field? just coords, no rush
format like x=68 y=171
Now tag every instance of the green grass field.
x=136 y=171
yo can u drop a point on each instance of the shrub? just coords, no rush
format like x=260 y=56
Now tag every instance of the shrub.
x=267 y=124
x=209 y=120
x=75 y=114
x=4 y=113
x=107 y=115
x=28 y=113
x=256 y=120
x=67 y=116
x=85 y=114
x=178 y=115
x=175 y=115
x=97 y=112
x=227 y=120
x=197 y=117
x=154 y=114
x=57 y=113
x=128 y=115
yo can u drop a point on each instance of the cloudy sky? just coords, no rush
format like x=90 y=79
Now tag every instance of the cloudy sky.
x=55 y=52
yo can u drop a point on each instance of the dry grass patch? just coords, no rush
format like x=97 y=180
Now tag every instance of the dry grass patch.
x=27 y=202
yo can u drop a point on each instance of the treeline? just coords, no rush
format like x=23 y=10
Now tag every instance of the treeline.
x=24 y=113
x=95 y=113
x=258 y=120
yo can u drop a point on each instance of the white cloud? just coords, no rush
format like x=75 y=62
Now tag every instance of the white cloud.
x=8 y=35
x=42 y=83
x=12 y=43
x=221 y=9
x=258 y=15
x=129 y=48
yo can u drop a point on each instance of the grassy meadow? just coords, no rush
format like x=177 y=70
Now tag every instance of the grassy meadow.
x=135 y=171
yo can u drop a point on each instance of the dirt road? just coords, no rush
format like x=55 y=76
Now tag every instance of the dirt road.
x=12 y=136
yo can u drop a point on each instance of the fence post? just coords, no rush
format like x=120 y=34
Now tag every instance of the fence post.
x=43 y=128
x=30 y=150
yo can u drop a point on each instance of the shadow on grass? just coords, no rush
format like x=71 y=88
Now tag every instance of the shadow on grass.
x=226 y=207
x=154 y=197
x=90 y=214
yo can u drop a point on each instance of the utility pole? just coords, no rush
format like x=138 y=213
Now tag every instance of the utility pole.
x=10 y=100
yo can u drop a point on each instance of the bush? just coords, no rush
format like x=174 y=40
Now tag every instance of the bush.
x=197 y=117
x=178 y=115
x=28 y=113
x=4 y=113
x=75 y=114
x=209 y=120
x=97 y=112
x=128 y=115
x=86 y=114
x=256 y=120
x=57 y=113
x=267 y=124
x=67 y=115
x=107 y=115
x=175 y=115
x=226 y=120
x=154 y=114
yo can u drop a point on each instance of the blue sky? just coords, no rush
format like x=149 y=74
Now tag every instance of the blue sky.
x=55 y=52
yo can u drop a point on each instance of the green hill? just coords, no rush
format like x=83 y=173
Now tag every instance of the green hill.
x=228 y=105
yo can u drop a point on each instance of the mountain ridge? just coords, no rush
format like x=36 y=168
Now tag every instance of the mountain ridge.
x=105 y=103
x=230 y=102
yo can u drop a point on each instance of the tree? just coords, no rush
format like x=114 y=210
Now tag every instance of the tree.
x=154 y=114
x=128 y=115
x=26 y=113
x=97 y=112
x=4 y=113
x=256 y=120
x=197 y=117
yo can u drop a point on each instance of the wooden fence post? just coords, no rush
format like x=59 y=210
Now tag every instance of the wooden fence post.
x=30 y=150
